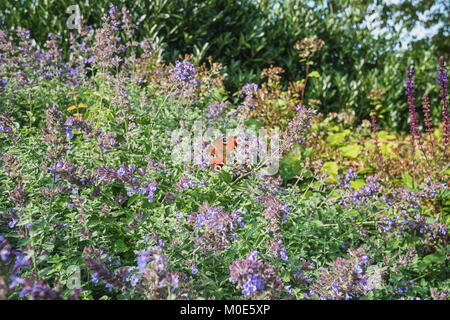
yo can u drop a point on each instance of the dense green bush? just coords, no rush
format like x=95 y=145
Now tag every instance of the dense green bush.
x=247 y=36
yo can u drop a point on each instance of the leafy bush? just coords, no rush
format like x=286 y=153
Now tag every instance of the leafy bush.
x=248 y=36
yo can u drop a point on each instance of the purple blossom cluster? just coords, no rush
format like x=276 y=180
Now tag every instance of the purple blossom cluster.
x=405 y=289
x=6 y=124
x=185 y=183
x=275 y=212
x=35 y=290
x=216 y=110
x=104 y=141
x=126 y=175
x=345 y=279
x=302 y=272
x=72 y=173
x=298 y=127
x=362 y=197
x=432 y=233
x=79 y=124
x=158 y=282
x=149 y=190
x=14 y=218
x=183 y=77
x=24 y=64
x=184 y=71
x=431 y=188
x=255 y=278
x=393 y=199
x=443 y=82
x=108 y=47
x=54 y=134
x=38 y=290
x=402 y=209
x=216 y=228
x=249 y=92
x=344 y=181
x=119 y=279
x=13 y=168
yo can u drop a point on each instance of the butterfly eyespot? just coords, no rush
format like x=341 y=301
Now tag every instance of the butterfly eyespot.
x=225 y=139
x=217 y=167
x=212 y=155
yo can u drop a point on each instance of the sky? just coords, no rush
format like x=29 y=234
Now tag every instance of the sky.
x=419 y=32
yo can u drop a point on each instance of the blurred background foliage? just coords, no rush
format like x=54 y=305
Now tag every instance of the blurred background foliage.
x=248 y=36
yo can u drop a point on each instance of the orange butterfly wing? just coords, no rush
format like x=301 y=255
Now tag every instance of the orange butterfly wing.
x=220 y=150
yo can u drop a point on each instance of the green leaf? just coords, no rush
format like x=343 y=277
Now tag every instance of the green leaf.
x=226 y=176
x=133 y=199
x=332 y=169
x=351 y=151
x=357 y=184
x=314 y=74
x=295 y=153
x=434 y=258
x=336 y=139
x=384 y=136
x=253 y=124
x=365 y=170
x=407 y=180
x=120 y=246
x=317 y=223
x=289 y=168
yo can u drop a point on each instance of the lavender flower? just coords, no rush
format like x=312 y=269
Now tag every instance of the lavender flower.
x=254 y=277
x=194 y=269
x=149 y=190
x=157 y=281
x=183 y=76
x=350 y=174
x=69 y=133
x=215 y=227
x=298 y=126
x=443 y=82
x=346 y=278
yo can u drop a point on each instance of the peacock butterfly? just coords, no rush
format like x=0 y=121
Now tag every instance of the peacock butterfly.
x=220 y=149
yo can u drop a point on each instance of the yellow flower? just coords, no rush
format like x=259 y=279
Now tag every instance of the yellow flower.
x=76 y=107
x=78 y=115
